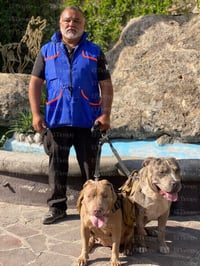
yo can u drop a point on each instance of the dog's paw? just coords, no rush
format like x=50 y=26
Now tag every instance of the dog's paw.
x=115 y=263
x=128 y=249
x=141 y=250
x=151 y=232
x=82 y=261
x=164 y=249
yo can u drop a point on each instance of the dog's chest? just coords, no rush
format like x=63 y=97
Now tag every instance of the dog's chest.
x=103 y=235
x=104 y=230
x=157 y=209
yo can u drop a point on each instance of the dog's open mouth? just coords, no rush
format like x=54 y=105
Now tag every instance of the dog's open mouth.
x=97 y=221
x=169 y=196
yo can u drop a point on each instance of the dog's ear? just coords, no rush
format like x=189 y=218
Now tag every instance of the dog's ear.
x=79 y=201
x=147 y=161
x=89 y=181
x=172 y=160
x=106 y=182
x=174 y=163
x=81 y=194
x=151 y=159
x=113 y=191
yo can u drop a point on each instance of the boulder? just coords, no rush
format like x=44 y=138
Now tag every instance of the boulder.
x=155 y=69
x=13 y=96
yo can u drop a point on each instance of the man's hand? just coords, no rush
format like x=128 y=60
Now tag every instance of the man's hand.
x=104 y=121
x=38 y=123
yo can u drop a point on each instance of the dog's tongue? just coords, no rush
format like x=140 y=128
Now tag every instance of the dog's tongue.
x=169 y=196
x=97 y=221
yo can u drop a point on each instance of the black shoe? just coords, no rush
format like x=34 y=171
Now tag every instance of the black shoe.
x=53 y=216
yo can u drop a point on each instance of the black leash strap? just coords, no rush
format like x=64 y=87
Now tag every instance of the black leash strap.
x=103 y=139
x=122 y=165
x=97 y=165
x=97 y=133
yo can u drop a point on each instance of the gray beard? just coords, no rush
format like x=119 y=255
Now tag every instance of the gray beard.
x=70 y=35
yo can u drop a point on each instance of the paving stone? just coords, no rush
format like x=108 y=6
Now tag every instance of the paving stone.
x=9 y=242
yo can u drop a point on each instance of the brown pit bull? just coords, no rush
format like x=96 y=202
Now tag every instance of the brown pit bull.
x=102 y=220
x=152 y=190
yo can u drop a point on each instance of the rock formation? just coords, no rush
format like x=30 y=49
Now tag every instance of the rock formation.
x=13 y=96
x=156 y=76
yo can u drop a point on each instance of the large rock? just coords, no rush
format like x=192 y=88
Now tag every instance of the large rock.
x=13 y=96
x=156 y=76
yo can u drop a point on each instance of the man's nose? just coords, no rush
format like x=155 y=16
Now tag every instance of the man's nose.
x=71 y=22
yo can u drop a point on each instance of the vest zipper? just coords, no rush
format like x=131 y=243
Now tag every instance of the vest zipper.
x=70 y=57
x=70 y=87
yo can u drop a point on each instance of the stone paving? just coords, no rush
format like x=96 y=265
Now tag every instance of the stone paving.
x=25 y=241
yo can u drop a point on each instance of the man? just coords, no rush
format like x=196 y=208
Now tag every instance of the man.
x=79 y=93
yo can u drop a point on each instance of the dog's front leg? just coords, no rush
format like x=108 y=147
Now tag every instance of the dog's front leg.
x=85 y=235
x=162 y=220
x=116 y=238
x=115 y=253
x=140 y=230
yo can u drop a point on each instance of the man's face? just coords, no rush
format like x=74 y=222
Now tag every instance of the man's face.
x=72 y=24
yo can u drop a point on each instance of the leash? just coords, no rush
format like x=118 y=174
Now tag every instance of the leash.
x=104 y=138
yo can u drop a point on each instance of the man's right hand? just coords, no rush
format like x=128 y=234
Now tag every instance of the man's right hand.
x=38 y=123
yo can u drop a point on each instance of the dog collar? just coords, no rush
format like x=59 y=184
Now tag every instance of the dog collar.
x=118 y=203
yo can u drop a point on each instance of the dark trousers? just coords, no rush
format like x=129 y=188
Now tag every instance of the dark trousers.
x=57 y=144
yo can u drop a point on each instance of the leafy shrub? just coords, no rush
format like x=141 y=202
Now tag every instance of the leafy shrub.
x=23 y=124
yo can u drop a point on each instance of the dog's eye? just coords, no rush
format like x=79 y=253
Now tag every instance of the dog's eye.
x=162 y=173
x=177 y=170
x=91 y=196
x=104 y=195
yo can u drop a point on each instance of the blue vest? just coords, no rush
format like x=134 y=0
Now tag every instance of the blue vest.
x=73 y=97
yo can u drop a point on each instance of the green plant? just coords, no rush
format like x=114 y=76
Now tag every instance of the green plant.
x=23 y=124
x=3 y=131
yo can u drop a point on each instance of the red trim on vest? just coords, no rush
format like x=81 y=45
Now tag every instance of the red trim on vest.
x=93 y=104
x=55 y=99
x=52 y=56
x=87 y=56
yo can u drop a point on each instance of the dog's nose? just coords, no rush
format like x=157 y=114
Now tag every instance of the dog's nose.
x=176 y=186
x=98 y=212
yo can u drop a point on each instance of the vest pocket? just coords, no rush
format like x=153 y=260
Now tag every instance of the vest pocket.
x=90 y=102
x=56 y=98
x=84 y=111
x=58 y=111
